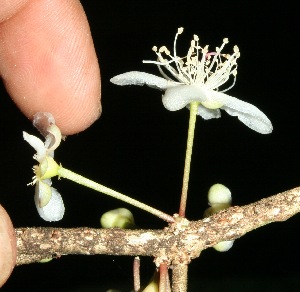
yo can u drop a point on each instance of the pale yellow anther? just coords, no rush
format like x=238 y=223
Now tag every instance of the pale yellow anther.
x=164 y=49
x=180 y=30
x=225 y=41
x=236 y=49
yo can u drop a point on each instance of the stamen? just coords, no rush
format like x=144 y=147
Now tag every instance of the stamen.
x=199 y=65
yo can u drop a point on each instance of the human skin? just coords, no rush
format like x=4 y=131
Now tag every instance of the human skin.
x=47 y=63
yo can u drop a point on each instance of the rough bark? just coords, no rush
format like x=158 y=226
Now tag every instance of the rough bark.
x=176 y=244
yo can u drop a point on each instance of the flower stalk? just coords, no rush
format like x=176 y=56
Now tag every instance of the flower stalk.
x=68 y=174
x=188 y=157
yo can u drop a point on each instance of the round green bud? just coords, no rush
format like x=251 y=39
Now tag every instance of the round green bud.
x=120 y=217
x=46 y=260
x=219 y=194
x=223 y=246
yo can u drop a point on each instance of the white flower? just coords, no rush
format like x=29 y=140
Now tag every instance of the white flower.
x=47 y=199
x=198 y=78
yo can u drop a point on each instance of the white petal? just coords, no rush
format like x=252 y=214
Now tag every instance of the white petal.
x=43 y=193
x=247 y=113
x=176 y=98
x=207 y=113
x=37 y=144
x=54 y=210
x=142 y=78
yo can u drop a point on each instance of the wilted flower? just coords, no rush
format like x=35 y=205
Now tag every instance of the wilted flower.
x=197 y=77
x=47 y=199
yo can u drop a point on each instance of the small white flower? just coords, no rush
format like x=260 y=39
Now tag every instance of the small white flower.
x=198 y=78
x=47 y=199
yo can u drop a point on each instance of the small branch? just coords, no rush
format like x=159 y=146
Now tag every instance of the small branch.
x=179 y=278
x=136 y=274
x=177 y=244
x=163 y=272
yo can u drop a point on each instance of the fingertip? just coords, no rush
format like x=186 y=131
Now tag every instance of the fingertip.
x=8 y=246
x=50 y=64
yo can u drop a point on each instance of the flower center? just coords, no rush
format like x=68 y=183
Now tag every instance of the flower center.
x=199 y=66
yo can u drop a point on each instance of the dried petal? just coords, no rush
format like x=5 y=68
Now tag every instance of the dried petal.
x=42 y=121
x=53 y=139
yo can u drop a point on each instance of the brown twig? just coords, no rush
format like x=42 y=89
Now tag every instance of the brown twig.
x=179 y=282
x=163 y=272
x=176 y=245
x=136 y=274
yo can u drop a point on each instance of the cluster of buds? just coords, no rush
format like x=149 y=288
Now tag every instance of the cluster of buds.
x=219 y=198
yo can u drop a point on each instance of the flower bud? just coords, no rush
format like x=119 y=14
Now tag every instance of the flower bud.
x=46 y=260
x=219 y=194
x=153 y=285
x=219 y=198
x=120 y=217
x=223 y=246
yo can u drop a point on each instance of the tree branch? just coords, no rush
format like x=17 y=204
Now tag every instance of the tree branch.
x=177 y=244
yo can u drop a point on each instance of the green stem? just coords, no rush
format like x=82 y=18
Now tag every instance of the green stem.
x=68 y=174
x=188 y=157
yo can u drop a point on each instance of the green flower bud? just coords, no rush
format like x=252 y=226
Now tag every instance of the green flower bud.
x=219 y=198
x=153 y=285
x=223 y=246
x=219 y=194
x=120 y=217
x=47 y=260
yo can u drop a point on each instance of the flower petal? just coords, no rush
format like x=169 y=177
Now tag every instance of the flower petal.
x=42 y=121
x=207 y=113
x=54 y=210
x=142 y=78
x=42 y=193
x=37 y=144
x=53 y=139
x=247 y=113
x=176 y=98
